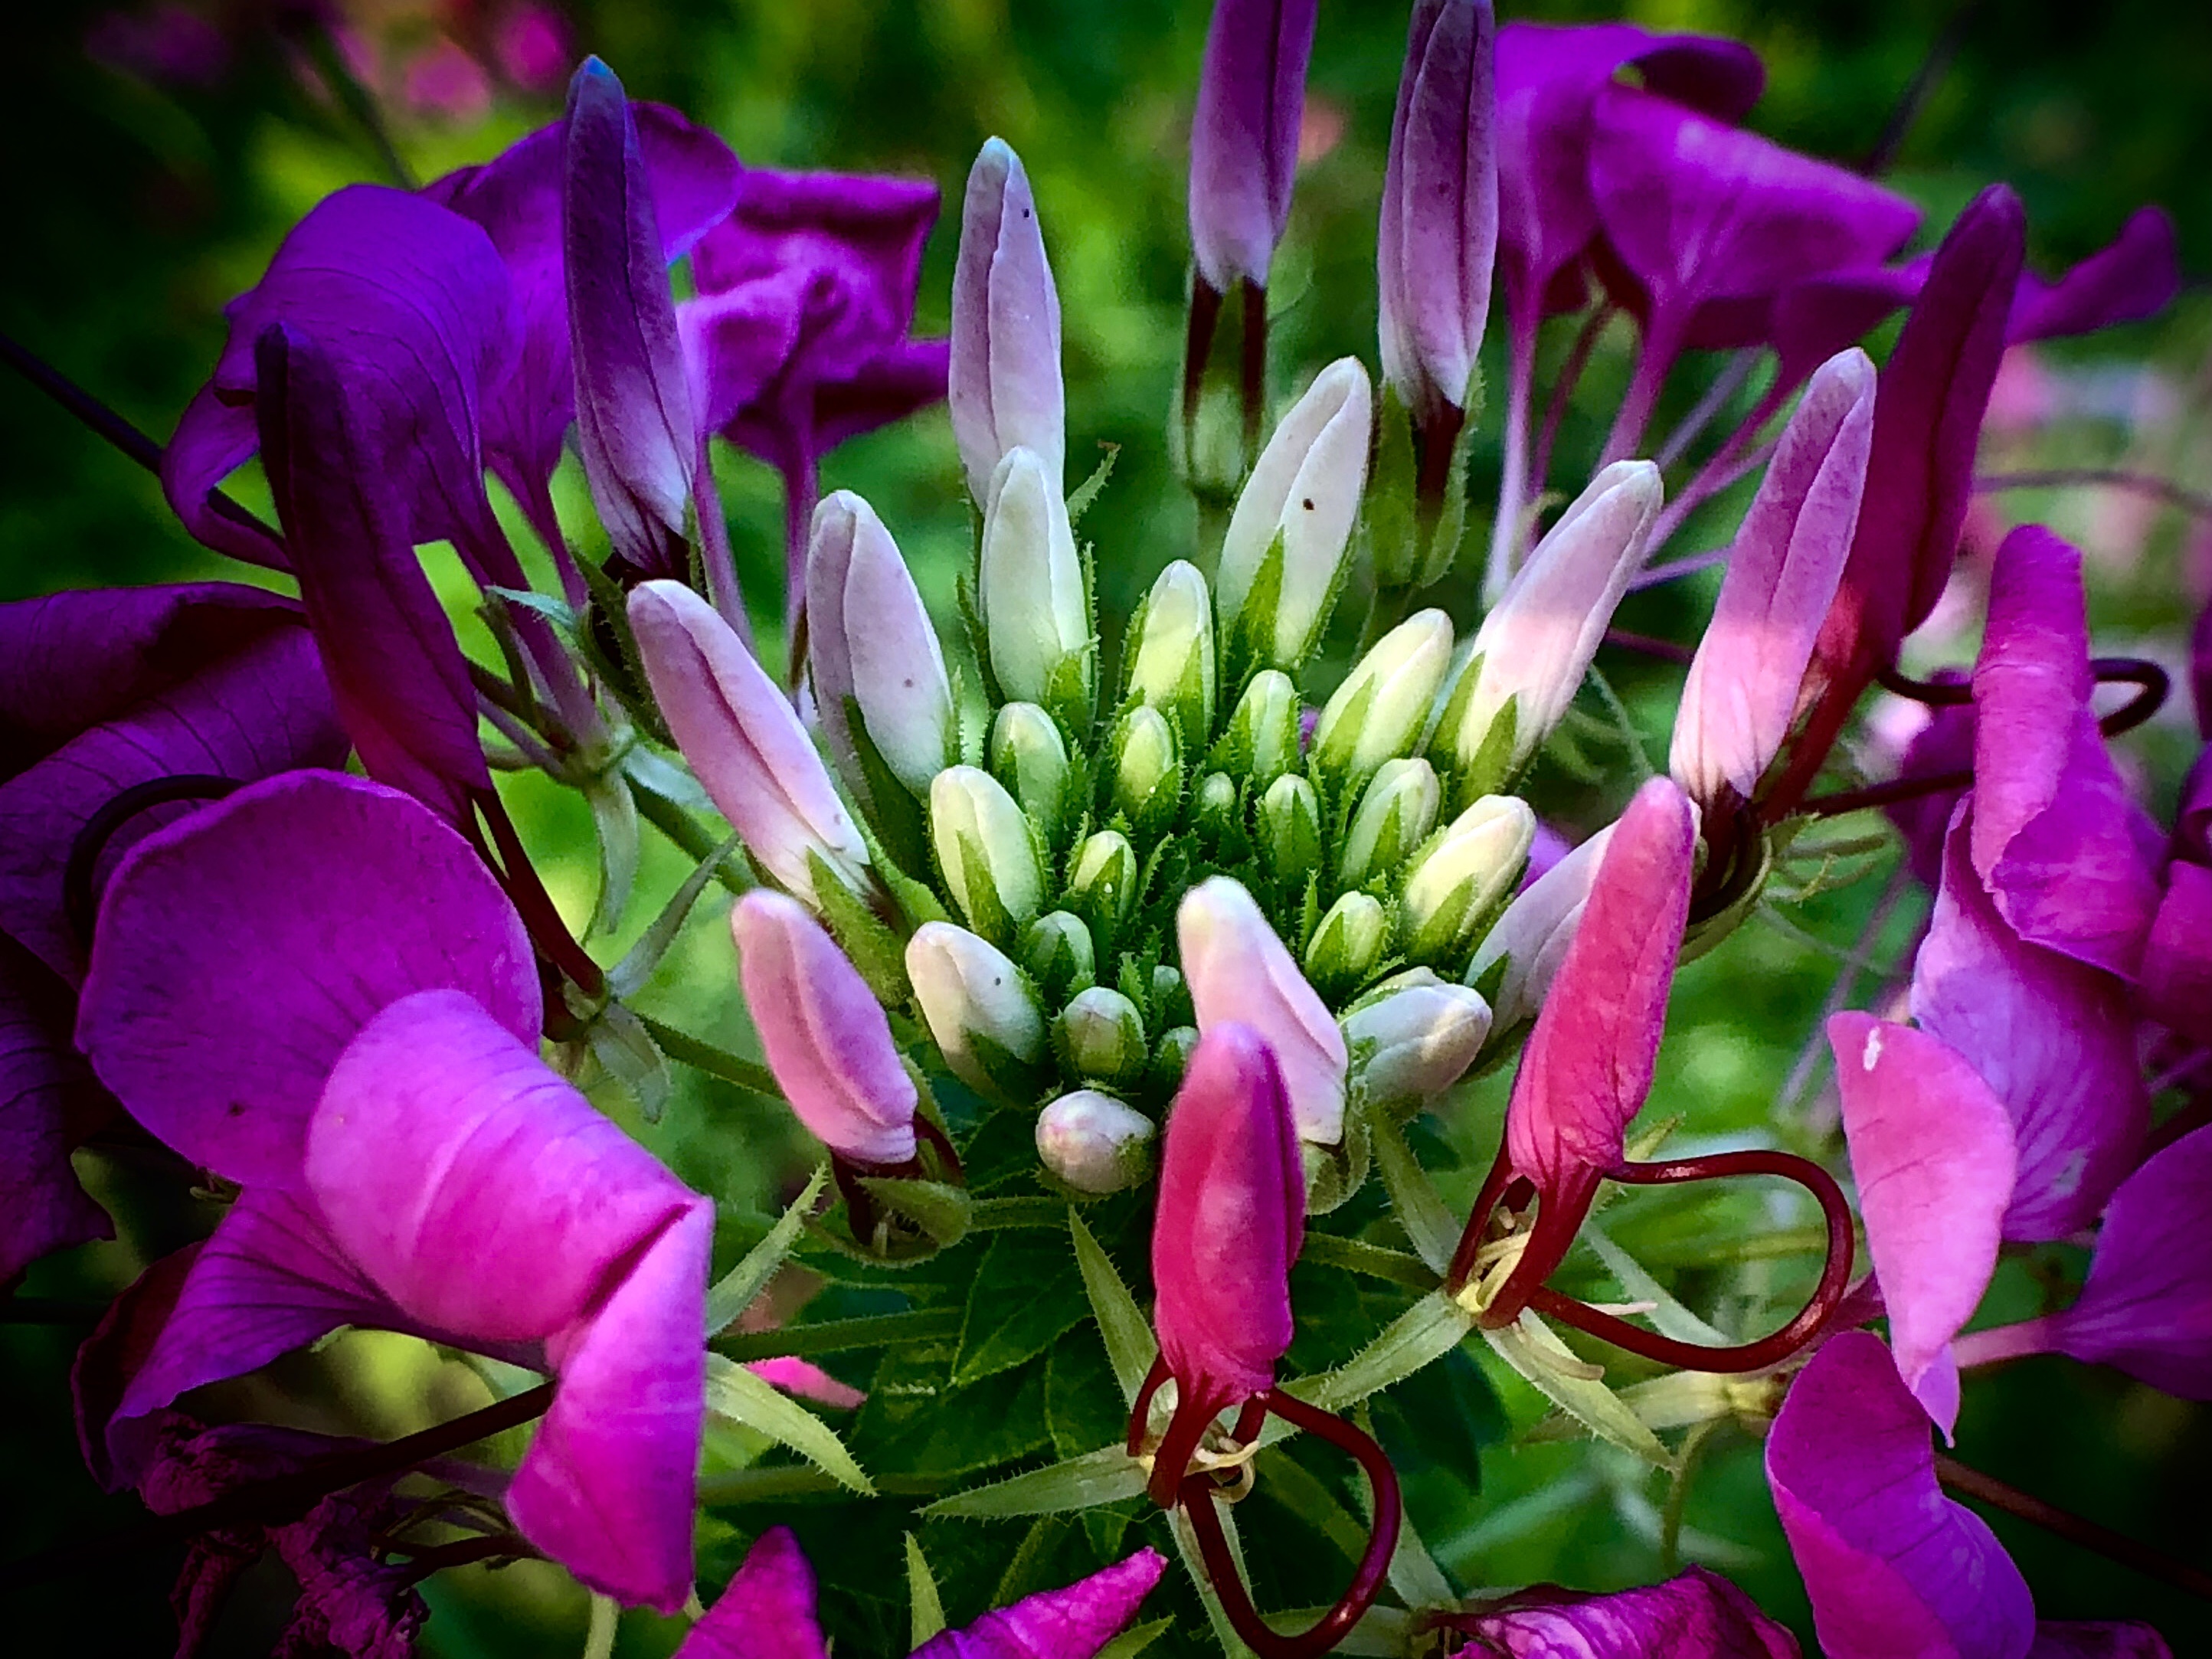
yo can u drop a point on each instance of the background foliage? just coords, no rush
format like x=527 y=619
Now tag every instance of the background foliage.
x=138 y=204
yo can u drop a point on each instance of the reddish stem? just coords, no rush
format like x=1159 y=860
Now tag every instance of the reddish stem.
x=1252 y=379
x=1887 y=794
x=937 y=1138
x=1140 y=1409
x=1198 y=346
x=535 y=905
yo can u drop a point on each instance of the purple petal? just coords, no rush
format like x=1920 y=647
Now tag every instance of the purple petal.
x=1927 y=420
x=2057 y=1638
x=1742 y=690
x=414 y=309
x=395 y=668
x=804 y=1380
x=240 y=950
x=1810 y=322
x=270 y=1280
x=1438 y=239
x=1231 y=1218
x=1588 y=1064
x=1699 y=1615
x=907 y=376
x=1244 y=136
x=1069 y=1623
x=828 y=1041
x=1893 y=1566
x=2176 y=975
x=2147 y=1307
x=1932 y=1150
x=107 y=1360
x=633 y=417
x=768 y=1611
x=2066 y=853
x=42 y=1207
x=738 y=340
x=1945 y=744
x=2136 y=277
x=2055 y=1040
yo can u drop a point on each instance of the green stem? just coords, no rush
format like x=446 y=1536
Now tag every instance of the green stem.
x=840 y=1336
x=690 y=835
x=1678 y=1495
x=749 y=1075
x=995 y=1214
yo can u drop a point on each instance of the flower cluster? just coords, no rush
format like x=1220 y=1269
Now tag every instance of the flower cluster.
x=1092 y=950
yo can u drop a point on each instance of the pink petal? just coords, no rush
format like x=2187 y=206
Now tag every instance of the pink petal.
x=768 y=1611
x=1071 y=1623
x=804 y=1380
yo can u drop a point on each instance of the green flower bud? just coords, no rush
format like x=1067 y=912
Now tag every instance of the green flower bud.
x=1171 y=996
x=1394 y=817
x=1104 y=876
x=1171 y=657
x=977 y=1006
x=1095 y=1143
x=1261 y=742
x=1290 y=828
x=1214 y=806
x=1463 y=875
x=1029 y=589
x=1379 y=710
x=986 y=851
x=1147 y=770
x=1172 y=1056
x=1056 y=949
x=1029 y=757
x=1101 y=1035
x=1347 y=944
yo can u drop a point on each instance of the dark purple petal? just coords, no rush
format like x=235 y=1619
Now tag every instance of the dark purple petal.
x=1932 y=1153
x=516 y=198
x=633 y=418
x=2136 y=277
x=1893 y=1566
x=2175 y=979
x=1071 y=1623
x=240 y=950
x=42 y=1208
x=1810 y=322
x=414 y=309
x=2053 y=1038
x=2057 y=1638
x=397 y=671
x=1244 y=136
x=2147 y=1307
x=110 y=1356
x=1699 y=1615
x=738 y=340
x=1945 y=744
x=908 y=376
x=767 y=1612
x=2065 y=852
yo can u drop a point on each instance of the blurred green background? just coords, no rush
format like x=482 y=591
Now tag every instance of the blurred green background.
x=157 y=154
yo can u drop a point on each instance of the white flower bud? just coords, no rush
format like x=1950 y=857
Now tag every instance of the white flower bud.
x=985 y=849
x=1029 y=757
x=1394 y=817
x=1214 y=807
x=1348 y=944
x=1290 y=828
x=1147 y=770
x=1172 y=664
x=988 y=1025
x=1101 y=1035
x=1466 y=872
x=1104 y=875
x=1380 y=708
x=1094 y=1142
x=1029 y=589
x=1414 y=1039
x=1057 y=950
x=1262 y=739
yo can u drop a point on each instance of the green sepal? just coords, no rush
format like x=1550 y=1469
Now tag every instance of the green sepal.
x=1491 y=772
x=631 y=975
x=863 y=936
x=888 y=806
x=623 y=669
x=1336 y=1173
x=940 y=1211
x=1534 y=1351
x=614 y=819
x=1087 y=492
x=926 y=1616
x=1390 y=508
x=627 y=1053
x=734 y=1292
x=1248 y=645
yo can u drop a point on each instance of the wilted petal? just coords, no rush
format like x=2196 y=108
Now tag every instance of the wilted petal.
x=767 y=1612
x=751 y=755
x=1699 y=1615
x=2147 y=1306
x=1230 y=1217
x=2055 y=1040
x=1239 y=971
x=1071 y=1623
x=1932 y=1152
x=1893 y=1566
x=828 y=1041
x=2064 y=850
x=1244 y=136
x=1588 y=1064
x=1742 y=693
x=2137 y=277
x=242 y=950
x=1005 y=387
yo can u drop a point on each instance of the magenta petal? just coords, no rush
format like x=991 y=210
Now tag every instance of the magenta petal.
x=271 y=1280
x=2065 y=852
x=2136 y=277
x=2055 y=1040
x=1231 y=1218
x=42 y=1207
x=2057 y=1638
x=804 y=1380
x=1589 y=1062
x=1931 y=1150
x=1699 y=1615
x=2176 y=975
x=609 y=1487
x=767 y=1612
x=240 y=950
x=470 y=1181
x=1893 y=1566
x=1071 y=1623
x=2147 y=1307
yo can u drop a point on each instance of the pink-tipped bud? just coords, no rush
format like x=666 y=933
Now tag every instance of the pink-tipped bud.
x=1004 y=384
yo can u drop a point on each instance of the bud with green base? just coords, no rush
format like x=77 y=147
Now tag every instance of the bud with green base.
x=1031 y=594
x=1057 y=950
x=979 y=1008
x=1394 y=817
x=1349 y=944
x=1147 y=770
x=1101 y=1035
x=1378 y=712
x=1261 y=742
x=1462 y=877
x=1029 y=757
x=985 y=852
x=1213 y=806
x=1172 y=1056
x=1103 y=876
x=1171 y=665
x=1095 y=1144
x=1411 y=1038
x=1290 y=829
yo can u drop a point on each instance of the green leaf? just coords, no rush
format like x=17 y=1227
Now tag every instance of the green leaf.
x=1371 y=1261
x=1186 y=1542
x=1669 y=1315
x=735 y=1393
x=891 y=810
x=1105 y=1476
x=1531 y=1348
x=749 y=1075
x=1420 y=1209
x=623 y=1044
x=735 y=1291
x=1390 y=504
x=614 y=818
x=1425 y=1332
x=1130 y=1345
x=1083 y=1405
x=629 y=975
x=1022 y=1298
x=926 y=1617
x=1135 y=1639
x=1087 y=492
